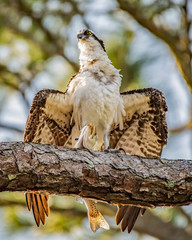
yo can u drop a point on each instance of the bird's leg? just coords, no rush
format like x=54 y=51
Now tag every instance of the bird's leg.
x=100 y=135
x=87 y=137
x=79 y=141
x=106 y=140
x=107 y=148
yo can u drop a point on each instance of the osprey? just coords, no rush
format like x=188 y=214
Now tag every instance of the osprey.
x=93 y=110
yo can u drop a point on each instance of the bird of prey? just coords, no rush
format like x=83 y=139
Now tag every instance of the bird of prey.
x=134 y=120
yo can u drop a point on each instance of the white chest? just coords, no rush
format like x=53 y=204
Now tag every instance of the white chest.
x=95 y=98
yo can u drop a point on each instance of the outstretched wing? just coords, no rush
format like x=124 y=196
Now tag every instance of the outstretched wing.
x=49 y=118
x=49 y=123
x=144 y=134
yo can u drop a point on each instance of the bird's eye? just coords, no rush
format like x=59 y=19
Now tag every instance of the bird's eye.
x=89 y=33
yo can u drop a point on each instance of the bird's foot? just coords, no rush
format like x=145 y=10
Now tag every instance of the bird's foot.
x=111 y=150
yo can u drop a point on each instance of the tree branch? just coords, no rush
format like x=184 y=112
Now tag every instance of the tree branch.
x=50 y=37
x=179 y=45
x=186 y=126
x=107 y=177
x=10 y=127
x=149 y=224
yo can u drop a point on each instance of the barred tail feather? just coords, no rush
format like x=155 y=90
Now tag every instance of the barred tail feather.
x=96 y=219
x=97 y=222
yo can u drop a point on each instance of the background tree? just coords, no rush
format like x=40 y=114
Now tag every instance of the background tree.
x=150 y=41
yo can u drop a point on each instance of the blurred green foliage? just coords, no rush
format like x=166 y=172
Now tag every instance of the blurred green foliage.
x=38 y=49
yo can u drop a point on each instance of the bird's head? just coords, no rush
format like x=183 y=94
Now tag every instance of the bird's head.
x=88 y=39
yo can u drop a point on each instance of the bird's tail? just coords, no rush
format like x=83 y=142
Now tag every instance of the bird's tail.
x=96 y=219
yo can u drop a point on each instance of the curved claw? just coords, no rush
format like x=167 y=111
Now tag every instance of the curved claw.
x=118 y=150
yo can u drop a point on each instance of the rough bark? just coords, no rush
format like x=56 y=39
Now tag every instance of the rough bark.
x=108 y=177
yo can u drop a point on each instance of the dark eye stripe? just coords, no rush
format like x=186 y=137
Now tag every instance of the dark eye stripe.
x=89 y=33
x=100 y=41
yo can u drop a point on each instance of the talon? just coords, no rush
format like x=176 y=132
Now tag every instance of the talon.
x=122 y=149
x=110 y=150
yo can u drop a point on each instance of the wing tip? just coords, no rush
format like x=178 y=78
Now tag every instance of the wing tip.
x=39 y=205
x=127 y=216
x=28 y=200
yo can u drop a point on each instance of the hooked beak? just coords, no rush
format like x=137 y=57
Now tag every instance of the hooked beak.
x=81 y=36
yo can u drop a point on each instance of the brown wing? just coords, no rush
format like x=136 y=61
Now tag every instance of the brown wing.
x=49 y=119
x=144 y=134
x=49 y=123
